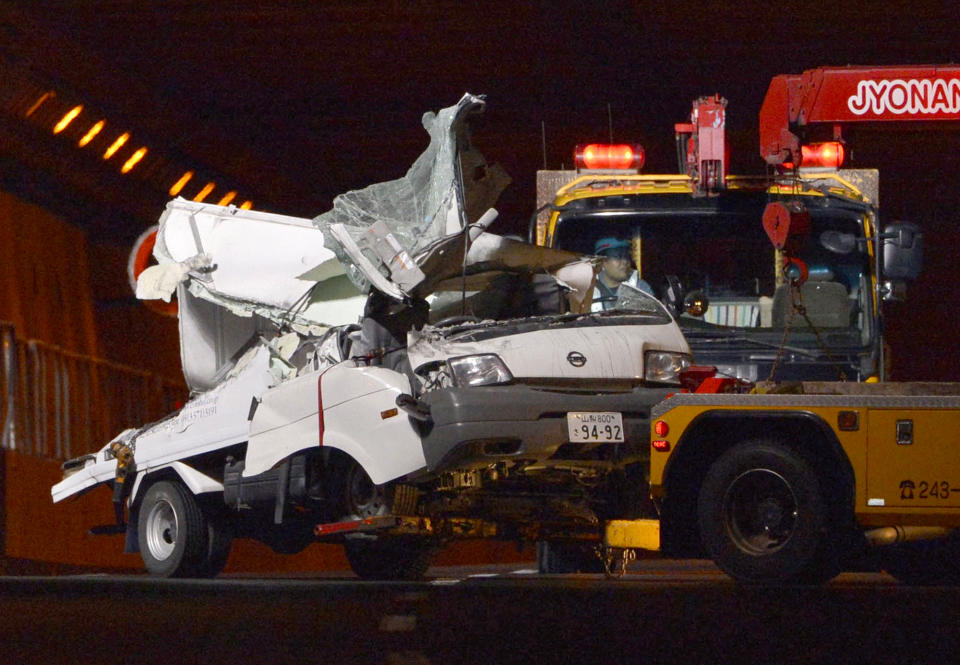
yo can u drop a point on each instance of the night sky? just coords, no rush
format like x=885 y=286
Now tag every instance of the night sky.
x=304 y=100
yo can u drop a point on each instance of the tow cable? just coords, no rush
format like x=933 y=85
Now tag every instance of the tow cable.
x=797 y=307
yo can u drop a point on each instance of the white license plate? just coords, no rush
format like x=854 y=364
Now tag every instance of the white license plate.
x=595 y=426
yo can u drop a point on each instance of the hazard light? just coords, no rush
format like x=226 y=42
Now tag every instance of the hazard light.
x=607 y=157
x=827 y=155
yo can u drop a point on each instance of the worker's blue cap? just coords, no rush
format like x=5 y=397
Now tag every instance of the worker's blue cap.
x=604 y=245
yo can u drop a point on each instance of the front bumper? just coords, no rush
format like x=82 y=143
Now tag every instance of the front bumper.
x=481 y=425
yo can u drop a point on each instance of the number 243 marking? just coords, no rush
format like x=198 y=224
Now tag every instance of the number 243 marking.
x=934 y=490
x=938 y=489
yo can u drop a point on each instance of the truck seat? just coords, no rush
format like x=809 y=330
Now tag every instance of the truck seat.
x=827 y=304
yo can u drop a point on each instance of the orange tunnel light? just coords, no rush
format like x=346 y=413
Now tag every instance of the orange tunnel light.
x=50 y=94
x=246 y=205
x=92 y=132
x=205 y=192
x=133 y=161
x=116 y=145
x=181 y=183
x=67 y=119
x=227 y=198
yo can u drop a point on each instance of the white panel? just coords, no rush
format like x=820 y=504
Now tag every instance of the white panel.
x=285 y=422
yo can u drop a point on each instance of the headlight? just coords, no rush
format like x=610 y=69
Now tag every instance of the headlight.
x=665 y=366
x=482 y=370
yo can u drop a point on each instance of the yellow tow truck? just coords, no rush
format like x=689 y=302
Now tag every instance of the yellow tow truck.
x=794 y=481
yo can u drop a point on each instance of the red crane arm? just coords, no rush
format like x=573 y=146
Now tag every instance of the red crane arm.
x=841 y=95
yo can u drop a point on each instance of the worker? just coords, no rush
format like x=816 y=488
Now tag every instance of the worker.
x=617 y=269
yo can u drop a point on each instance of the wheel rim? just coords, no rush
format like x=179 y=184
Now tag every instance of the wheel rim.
x=162 y=529
x=364 y=498
x=760 y=511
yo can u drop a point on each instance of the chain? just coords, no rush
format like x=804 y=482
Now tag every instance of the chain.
x=783 y=341
x=797 y=307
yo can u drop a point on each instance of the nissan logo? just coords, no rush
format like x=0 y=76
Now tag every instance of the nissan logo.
x=576 y=359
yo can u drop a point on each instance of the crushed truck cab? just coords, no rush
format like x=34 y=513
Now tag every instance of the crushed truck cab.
x=795 y=482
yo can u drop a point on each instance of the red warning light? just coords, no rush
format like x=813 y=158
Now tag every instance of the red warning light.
x=660 y=428
x=827 y=155
x=661 y=446
x=607 y=157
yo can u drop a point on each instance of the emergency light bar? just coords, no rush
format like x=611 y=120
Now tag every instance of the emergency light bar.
x=829 y=154
x=607 y=157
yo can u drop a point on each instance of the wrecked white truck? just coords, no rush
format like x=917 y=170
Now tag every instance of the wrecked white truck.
x=389 y=376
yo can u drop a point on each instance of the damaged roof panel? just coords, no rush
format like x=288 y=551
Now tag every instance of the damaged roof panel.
x=446 y=188
x=251 y=263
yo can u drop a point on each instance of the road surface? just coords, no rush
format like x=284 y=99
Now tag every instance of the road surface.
x=660 y=612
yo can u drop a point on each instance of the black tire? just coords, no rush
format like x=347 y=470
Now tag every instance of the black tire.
x=560 y=558
x=763 y=518
x=357 y=496
x=389 y=558
x=925 y=562
x=219 y=544
x=173 y=533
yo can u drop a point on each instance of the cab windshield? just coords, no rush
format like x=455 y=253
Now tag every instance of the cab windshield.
x=718 y=247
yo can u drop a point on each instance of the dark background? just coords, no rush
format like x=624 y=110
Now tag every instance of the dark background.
x=300 y=101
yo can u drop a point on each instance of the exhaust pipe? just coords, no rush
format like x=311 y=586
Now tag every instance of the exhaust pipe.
x=890 y=535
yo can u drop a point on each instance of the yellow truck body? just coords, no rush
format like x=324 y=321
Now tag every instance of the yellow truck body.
x=744 y=475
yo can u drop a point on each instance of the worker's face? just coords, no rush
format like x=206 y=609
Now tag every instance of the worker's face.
x=617 y=265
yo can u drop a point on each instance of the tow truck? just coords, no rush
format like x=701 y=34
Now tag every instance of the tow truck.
x=794 y=481
x=698 y=239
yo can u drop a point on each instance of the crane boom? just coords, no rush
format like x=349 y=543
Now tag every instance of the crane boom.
x=856 y=94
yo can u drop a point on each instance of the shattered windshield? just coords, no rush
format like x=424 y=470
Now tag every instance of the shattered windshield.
x=718 y=247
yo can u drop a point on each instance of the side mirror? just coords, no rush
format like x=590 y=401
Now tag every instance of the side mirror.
x=902 y=251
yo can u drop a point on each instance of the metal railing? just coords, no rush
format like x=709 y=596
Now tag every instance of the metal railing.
x=59 y=404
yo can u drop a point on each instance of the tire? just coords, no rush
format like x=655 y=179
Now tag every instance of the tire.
x=762 y=516
x=925 y=562
x=219 y=544
x=388 y=558
x=357 y=496
x=557 y=558
x=173 y=533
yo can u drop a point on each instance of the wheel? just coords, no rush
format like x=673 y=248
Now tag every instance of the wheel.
x=558 y=558
x=358 y=497
x=925 y=562
x=219 y=544
x=388 y=558
x=762 y=516
x=174 y=535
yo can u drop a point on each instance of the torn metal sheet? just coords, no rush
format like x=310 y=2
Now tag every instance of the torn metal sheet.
x=448 y=187
x=250 y=263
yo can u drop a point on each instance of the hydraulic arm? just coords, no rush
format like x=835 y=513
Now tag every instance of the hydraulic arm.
x=842 y=95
